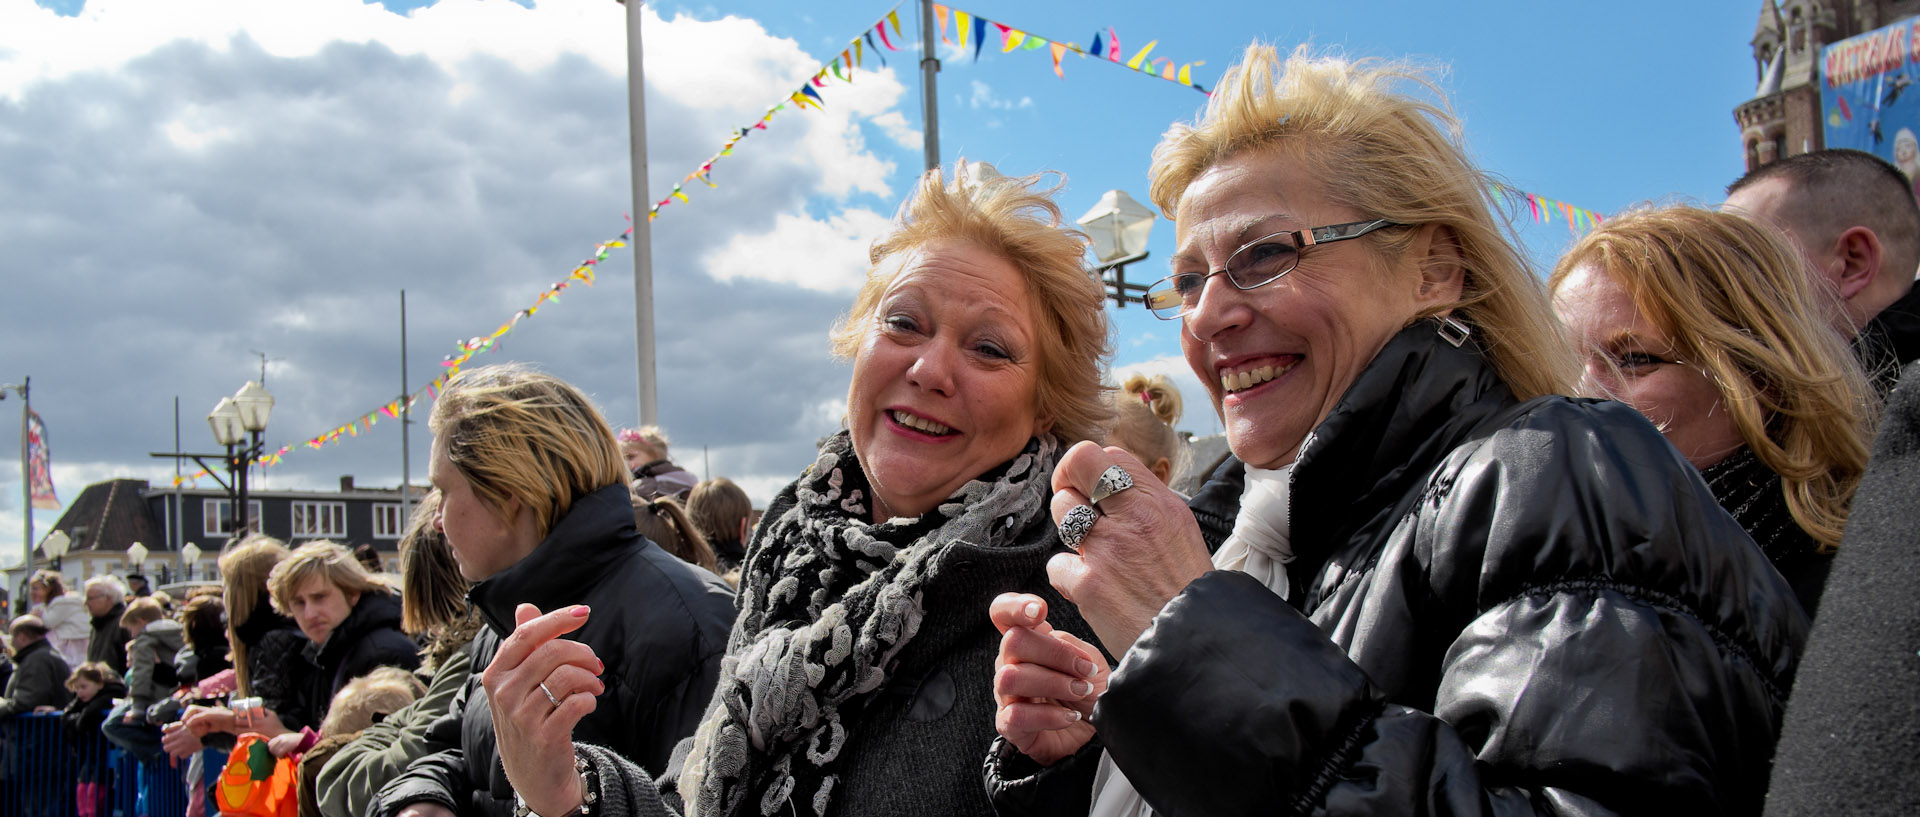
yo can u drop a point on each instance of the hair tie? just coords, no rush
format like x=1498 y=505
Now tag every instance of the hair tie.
x=1146 y=397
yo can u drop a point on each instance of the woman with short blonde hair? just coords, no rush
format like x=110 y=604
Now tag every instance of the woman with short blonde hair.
x=1709 y=324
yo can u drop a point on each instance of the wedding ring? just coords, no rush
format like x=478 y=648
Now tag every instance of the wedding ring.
x=549 y=692
x=1112 y=481
x=1074 y=527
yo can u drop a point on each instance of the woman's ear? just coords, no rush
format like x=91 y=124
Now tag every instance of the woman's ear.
x=1442 y=267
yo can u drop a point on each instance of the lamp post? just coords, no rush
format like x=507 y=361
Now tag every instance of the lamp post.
x=136 y=554
x=1118 y=227
x=237 y=422
x=189 y=555
x=55 y=546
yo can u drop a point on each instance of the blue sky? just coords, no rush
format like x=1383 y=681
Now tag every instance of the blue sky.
x=183 y=182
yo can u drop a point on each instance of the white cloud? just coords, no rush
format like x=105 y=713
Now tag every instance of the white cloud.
x=824 y=255
x=984 y=98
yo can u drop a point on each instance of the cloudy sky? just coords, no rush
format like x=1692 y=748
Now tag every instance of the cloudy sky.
x=187 y=184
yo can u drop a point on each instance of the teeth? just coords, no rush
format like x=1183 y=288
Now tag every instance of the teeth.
x=1232 y=382
x=919 y=424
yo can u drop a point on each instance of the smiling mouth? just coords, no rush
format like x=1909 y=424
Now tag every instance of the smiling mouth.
x=1231 y=382
x=919 y=423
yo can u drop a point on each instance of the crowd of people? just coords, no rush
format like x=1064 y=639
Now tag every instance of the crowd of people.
x=1484 y=543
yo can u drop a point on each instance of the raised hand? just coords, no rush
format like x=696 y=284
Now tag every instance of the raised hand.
x=540 y=686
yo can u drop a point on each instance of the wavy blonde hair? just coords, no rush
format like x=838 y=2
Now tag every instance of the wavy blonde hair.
x=1014 y=219
x=244 y=569
x=1738 y=304
x=1358 y=127
x=1146 y=409
x=517 y=433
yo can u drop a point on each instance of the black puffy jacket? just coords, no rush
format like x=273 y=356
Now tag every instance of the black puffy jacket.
x=368 y=639
x=1497 y=608
x=658 y=623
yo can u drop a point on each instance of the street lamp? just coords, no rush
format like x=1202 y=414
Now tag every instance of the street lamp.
x=188 y=556
x=1118 y=227
x=237 y=422
x=55 y=546
x=136 y=554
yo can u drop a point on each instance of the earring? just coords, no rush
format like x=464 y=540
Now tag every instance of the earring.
x=1452 y=330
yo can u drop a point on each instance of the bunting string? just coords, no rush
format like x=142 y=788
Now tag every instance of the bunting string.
x=466 y=349
x=1542 y=209
x=973 y=28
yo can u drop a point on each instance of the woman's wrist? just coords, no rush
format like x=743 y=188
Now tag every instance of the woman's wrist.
x=581 y=795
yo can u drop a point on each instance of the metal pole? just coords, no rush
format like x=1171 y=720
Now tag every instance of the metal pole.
x=406 y=419
x=179 y=536
x=26 y=478
x=239 y=469
x=929 y=93
x=642 y=234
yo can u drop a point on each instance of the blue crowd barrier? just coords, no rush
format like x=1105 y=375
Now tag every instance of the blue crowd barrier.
x=40 y=769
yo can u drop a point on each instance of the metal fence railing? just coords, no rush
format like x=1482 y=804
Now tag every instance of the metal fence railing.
x=40 y=770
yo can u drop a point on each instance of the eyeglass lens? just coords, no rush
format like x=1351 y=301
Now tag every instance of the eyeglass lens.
x=1250 y=266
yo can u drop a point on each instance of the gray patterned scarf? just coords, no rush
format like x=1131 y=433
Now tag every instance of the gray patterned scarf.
x=827 y=600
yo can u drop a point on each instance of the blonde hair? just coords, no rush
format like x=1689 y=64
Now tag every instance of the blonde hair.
x=1013 y=219
x=717 y=507
x=326 y=560
x=1377 y=149
x=516 y=433
x=662 y=520
x=244 y=569
x=1737 y=304
x=651 y=438
x=1147 y=408
x=432 y=591
x=142 y=611
x=382 y=692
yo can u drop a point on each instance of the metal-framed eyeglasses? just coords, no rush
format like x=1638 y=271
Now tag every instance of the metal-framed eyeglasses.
x=1255 y=264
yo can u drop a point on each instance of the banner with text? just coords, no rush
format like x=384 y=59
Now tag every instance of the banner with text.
x=1868 y=95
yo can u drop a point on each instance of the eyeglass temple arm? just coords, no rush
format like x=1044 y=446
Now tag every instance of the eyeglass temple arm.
x=1338 y=232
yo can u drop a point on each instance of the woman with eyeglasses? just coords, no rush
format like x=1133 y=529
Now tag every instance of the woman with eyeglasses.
x=1443 y=588
x=1708 y=324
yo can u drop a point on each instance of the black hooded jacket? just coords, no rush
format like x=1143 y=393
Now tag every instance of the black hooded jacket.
x=1496 y=607
x=368 y=639
x=658 y=623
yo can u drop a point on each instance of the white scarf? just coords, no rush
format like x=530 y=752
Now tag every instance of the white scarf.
x=1259 y=547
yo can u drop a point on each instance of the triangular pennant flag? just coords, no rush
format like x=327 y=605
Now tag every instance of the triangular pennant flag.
x=1012 y=40
x=963 y=27
x=876 y=49
x=1058 y=51
x=1186 y=74
x=894 y=18
x=1113 y=45
x=859 y=55
x=1034 y=42
x=940 y=14
x=979 y=38
x=1142 y=56
x=808 y=90
x=836 y=71
x=1096 y=50
x=846 y=56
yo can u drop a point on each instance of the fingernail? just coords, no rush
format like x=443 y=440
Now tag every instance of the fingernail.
x=1032 y=609
x=1086 y=668
x=1080 y=688
x=1073 y=716
x=581 y=611
x=603 y=666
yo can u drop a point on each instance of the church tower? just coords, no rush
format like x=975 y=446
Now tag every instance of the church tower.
x=1784 y=116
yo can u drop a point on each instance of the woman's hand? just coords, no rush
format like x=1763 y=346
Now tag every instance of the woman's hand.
x=1142 y=550
x=1045 y=681
x=534 y=736
x=201 y=720
x=179 y=741
x=283 y=745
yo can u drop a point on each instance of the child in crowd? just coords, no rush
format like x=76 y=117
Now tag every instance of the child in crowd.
x=363 y=702
x=150 y=677
x=94 y=686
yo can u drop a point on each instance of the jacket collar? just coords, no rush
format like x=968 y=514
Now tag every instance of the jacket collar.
x=596 y=532
x=1417 y=401
x=119 y=609
x=373 y=611
x=29 y=649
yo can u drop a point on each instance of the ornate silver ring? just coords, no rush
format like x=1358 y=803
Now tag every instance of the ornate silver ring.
x=1112 y=481
x=1074 y=527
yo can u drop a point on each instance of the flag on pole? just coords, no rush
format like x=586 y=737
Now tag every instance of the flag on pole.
x=40 y=464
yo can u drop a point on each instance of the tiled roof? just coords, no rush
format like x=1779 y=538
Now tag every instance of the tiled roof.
x=115 y=515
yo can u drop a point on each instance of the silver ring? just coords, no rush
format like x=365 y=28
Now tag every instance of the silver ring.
x=1112 y=481
x=549 y=694
x=1074 y=526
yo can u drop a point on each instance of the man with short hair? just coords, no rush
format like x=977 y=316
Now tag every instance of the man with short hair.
x=106 y=602
x=39 y=681
x=1854 y=217
x=351 y=619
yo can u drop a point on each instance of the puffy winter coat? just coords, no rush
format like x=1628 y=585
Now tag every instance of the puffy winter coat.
x=369 y=638
x=39 y=679
x=68 y=627
x=274 y=648
x=108 y=641
x=658 y=623
x=150 y=673
x=1496 y=607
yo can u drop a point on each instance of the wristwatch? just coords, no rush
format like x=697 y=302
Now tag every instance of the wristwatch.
x=587 y=797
